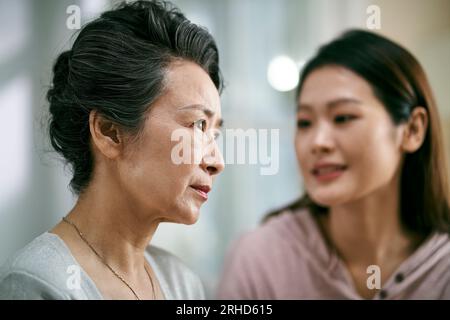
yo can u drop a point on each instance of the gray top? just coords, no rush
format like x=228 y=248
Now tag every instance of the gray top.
x=46 y=269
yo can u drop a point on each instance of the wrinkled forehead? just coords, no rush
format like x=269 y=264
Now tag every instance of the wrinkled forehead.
x=186 y=83
x=188 y=90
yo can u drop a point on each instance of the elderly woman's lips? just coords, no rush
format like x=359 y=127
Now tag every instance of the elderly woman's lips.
x=202 y=191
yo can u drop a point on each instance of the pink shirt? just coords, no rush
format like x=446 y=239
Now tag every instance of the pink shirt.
x=287 y=258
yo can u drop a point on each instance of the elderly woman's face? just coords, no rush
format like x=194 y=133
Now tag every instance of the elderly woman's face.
x=346 y=144
x=154 y=173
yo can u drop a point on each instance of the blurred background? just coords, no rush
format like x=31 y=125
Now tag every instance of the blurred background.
x=252 y=35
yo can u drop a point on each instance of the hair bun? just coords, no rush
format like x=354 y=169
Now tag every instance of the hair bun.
x=61 y=71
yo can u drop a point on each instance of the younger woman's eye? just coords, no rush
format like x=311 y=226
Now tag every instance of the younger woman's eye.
x=302 y=123
x=344 y=118
x=200 y=124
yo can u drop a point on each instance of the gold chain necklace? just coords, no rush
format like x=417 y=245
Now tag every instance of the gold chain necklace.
x=107 y=265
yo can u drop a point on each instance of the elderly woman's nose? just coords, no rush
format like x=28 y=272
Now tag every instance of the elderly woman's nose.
x=212 y=161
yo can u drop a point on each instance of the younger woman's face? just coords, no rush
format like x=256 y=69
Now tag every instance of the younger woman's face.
x=153 y=173
x=346 y=143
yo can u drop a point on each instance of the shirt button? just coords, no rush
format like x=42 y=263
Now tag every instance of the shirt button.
x=399 y=277
x=383 y=294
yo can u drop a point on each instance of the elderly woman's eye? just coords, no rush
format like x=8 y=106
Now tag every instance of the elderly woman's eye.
x=200 y=124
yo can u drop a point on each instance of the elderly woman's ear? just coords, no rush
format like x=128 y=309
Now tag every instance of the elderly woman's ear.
x=107 y=137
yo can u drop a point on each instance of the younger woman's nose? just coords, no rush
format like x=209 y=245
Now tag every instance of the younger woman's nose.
x=323 y=140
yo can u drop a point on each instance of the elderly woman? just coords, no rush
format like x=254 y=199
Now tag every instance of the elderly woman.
x=133 y=77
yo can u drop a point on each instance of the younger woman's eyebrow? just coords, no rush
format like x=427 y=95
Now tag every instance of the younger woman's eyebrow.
x=332 y=104
x=342 y=101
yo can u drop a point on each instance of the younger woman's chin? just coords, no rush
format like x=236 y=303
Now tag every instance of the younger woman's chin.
x=327 y=200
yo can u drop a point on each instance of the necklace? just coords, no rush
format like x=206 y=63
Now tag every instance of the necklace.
x=107 y=265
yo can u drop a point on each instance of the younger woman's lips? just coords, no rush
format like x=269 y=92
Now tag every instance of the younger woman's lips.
x=329 y=174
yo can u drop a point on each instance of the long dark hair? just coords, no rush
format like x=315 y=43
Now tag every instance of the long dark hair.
x=117 y=66
x=399 y=82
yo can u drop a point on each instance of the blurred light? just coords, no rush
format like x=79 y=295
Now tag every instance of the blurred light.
x=283 y=73
x=15 y=128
